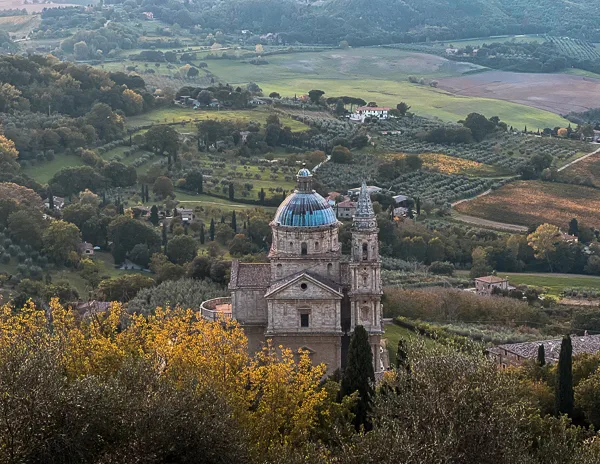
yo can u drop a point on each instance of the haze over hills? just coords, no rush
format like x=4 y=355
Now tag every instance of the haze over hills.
x=364 y=22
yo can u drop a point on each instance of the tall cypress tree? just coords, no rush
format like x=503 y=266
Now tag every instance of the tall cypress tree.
x=164 y=234
x=50 y=200
x=541 y=356
x=211 y=230
x=154 y=215
x=402 y=356
x=564 y=399
x=359 y=375
x=234 y=222
x=202 y=233
x=231 y=192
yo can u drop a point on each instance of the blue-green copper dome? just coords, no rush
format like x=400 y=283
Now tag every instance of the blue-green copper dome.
x=305 y=209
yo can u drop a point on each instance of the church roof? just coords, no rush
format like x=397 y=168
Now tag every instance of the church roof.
x=305 y=207
x=250 y=275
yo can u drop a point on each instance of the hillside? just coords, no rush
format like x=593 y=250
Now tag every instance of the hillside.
x=364 y=22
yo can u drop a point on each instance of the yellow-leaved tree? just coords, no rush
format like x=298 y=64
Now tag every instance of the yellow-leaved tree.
x=544 y=241
x=158 y=363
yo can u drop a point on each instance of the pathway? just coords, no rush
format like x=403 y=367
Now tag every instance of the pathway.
x=487 y=224
x=579 y=159
x=464 y=200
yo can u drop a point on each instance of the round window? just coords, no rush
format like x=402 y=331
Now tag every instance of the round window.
x=303 y=286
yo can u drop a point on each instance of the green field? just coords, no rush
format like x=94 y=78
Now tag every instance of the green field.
x=393 y=333
x=179 y=114
x=380 y=75
x=43 y=172
x=554 y=284
x=189 y=200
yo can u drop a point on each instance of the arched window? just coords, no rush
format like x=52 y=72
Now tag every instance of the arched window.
x=365 y=252
x=317 y=246
x=303 y=249
x=329 y=269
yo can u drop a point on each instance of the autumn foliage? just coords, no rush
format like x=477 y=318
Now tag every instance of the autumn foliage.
x=269 y=401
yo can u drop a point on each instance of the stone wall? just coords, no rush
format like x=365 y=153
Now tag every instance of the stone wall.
x=249 y=306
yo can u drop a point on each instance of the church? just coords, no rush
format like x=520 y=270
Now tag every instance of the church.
x=309 y=295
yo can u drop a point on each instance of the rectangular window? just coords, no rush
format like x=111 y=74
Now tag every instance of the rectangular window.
x=304 y=320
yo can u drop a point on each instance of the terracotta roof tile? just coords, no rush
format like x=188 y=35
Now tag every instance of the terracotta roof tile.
x=253 y=275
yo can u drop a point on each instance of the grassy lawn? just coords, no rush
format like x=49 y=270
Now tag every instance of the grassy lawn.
x=189 y=200
x=43 y=172
x=554 y=284
x=178 y=114
x=393 y=333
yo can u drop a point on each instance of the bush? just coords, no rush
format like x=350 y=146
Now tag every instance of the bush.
x=441 y=268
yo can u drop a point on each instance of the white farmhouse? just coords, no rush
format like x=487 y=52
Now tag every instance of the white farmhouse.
x=364 y=112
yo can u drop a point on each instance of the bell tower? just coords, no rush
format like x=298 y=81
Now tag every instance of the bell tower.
x=365 y=274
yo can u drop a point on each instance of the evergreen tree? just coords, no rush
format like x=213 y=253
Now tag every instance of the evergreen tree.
x=359 y=375
x=261 y=196
x=234 y=222
x=154 y=215
x=573 y=227
x=564 y=399
x=418 y=205
x=231 y=192
x=174 y=212
x=121 y=209
x=50 y=200
x=222 y=219
x=143 y=195
x=541 y=356
x=211 y=230
x=164 y=235
x=202 y=233
x=525 y=131
x=402 y=356
x=103 y=198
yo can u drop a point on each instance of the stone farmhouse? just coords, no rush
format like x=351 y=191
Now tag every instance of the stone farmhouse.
x=515 y=354
x=309 y=296
x=485 y=285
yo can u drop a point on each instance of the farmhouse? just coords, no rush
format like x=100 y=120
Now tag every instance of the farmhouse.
x=366 y=112
x=59 y=203
x=346 y=209
x=308 y=296
x=332 y=196
x=486 y=285
x=515 y=354
x=86 y=248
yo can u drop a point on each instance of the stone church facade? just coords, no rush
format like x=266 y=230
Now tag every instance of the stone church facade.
x=309 y=296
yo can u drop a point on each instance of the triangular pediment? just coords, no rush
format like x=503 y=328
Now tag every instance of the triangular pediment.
x=304 y=286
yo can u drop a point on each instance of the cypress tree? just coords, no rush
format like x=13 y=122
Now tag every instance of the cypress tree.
x=154 y=215
x=541 y=356
x=231 y=192
x=211 y=230
x=143 y=193
x=564 y=399
x=402 y=356
x=50 y=200
x=164 y=235
x=202 y=234
x=222 y=219
x=121 y=209
x=359 y=375
x=261 y=196
x=418 y=205
x=200 y=183
x=234 y=222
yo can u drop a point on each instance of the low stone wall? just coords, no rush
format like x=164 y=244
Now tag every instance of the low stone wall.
x=209 y=310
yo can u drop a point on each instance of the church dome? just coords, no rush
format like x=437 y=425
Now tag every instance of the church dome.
x=305 y=209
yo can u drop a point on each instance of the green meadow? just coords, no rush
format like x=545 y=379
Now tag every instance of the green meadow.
x=380 y=75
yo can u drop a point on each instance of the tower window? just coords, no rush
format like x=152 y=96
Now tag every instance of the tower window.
x=304 y=320
x=317 y=246
x=303 y=249
x=365 y=252
x=329 y=269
